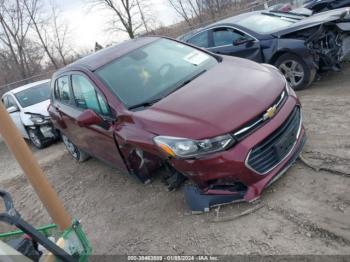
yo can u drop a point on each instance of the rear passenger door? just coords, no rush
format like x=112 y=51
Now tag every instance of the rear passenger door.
x=61 y=109
x=97 y=140
x=230 y=41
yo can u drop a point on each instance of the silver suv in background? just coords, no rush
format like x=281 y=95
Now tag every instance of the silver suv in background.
x=27 y=106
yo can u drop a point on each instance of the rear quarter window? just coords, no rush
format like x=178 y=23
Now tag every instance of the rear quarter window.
x=200 y=40
x=4 y=101
x=11 y=102
x=62 y=90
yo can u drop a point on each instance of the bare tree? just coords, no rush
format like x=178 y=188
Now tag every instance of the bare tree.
x=9 y=71
x=218 y=8
x=60 y=34
x=180 y=8
x=129 y=15
x=5 y=67
x=189 y=10
x=199 y=12
x=32 y=8
x=143 y=16
x=14 y=27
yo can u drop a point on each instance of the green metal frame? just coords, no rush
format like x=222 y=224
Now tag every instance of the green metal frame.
x=75 y=238
x=75 y=234
x=44 y=229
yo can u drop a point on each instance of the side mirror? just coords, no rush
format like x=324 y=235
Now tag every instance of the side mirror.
x=242 y=41
x=89 y=118
x=12 y=109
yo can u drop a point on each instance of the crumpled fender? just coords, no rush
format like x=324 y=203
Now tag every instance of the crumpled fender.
x=137 y=151
x=297 y=47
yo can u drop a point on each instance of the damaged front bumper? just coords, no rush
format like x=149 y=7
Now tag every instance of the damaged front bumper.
x=331 y=44
x=202 y=200
x=46 y=131
x=242 y=173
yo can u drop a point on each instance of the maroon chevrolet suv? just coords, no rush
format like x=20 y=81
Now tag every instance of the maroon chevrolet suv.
x=229 y=125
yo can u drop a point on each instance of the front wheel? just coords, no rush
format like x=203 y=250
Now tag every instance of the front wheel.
x=36 y=139
x=298 y=74
x=74 y=151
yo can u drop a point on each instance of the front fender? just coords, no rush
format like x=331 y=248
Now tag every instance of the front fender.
x=25 y=118
x=296 y=47
x=138 y=151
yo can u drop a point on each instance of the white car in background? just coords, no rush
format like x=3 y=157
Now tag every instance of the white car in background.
x=27 y=106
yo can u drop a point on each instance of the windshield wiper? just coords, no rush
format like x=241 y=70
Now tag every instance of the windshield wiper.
x=280 y=15
x=145 y=104
x=288 y=13
x=270 y=14
x=151 y=102
x=182 y=84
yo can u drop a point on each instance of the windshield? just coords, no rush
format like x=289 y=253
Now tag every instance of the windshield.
x=289 y=5
x=154 y=71
x=300 y=3
x=34 y=95
x=265 y=23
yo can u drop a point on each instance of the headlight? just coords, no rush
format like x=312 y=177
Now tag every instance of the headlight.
x=187 y=148
x=37 y=119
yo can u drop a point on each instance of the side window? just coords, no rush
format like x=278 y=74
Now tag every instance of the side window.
x=56 y=93
x=11 y=102
x=103 y=104
x=226 y=36
x=86 y=97
x=62 y=89
x=4 y=101
x=200 y=40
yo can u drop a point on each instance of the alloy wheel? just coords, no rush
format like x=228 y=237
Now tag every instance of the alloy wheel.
x=293 y=72
x=34 y=138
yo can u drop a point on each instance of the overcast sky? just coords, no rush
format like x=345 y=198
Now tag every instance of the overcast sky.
x=87 y=27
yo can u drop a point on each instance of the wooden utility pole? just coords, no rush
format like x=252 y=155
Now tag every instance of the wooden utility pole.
x=32 y=170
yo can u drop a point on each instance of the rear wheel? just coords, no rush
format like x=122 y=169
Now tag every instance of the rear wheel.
x=296 y=71
x=74 y=151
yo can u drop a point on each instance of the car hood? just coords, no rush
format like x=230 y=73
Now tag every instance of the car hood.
x=313 y=20
x=217 y=102
x=40 y=108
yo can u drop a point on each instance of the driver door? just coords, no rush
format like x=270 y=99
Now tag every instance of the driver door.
x=97 y=140
x=229 y=41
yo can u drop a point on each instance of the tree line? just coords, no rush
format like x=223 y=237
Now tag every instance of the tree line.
x=34 y=38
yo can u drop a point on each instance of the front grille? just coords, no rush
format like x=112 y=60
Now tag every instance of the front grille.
x=273 y=149
x=257 y=122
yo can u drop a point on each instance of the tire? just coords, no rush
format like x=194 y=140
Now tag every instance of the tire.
x=296 y=71
x=74 y=151
x=36 y=139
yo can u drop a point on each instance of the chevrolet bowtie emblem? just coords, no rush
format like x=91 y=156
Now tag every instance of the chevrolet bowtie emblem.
x=270 y=113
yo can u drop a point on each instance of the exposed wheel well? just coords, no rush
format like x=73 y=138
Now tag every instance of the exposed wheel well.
x=278 y=54
x=308 y=73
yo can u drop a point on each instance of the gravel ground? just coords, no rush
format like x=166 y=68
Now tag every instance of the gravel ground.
x=305 y=212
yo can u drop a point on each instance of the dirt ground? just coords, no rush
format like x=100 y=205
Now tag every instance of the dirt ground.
x=305 y=212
